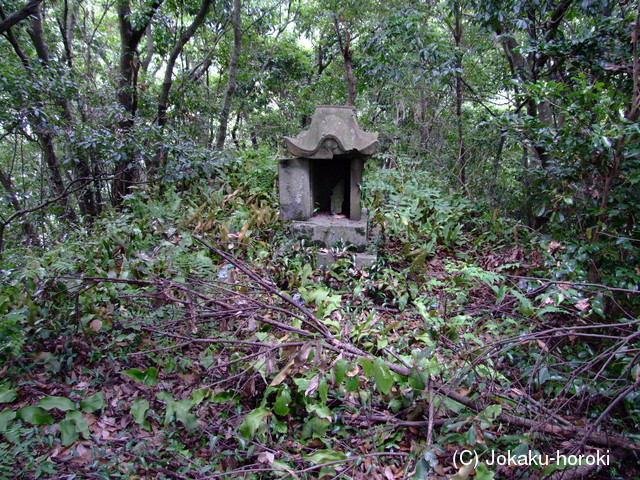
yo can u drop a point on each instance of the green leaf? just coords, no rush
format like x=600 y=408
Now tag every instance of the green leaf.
x=81 y=424
x=483 y=473
x=281 y=407
x=198 y=396
x=321 y=411
x=35 y=415
x=223 y=397
x=339 y=370
x=149 y=377
x=323 y=391
x=189 y=420
x=325 y=456
x=61 y=403
x=252 y=421
x=68 y=432
x=93 y=403
x=492 y=412
x=6 y=417
x=367 y=366
x=139 y=410
x=7 y=395
x=353 y=383
x=382 y=376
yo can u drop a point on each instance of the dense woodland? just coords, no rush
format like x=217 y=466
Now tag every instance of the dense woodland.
x=157 y=320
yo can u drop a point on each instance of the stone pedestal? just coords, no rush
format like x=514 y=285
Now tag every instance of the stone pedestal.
x=327 y=230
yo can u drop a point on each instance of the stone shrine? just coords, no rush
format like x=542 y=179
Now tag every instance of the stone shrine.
x=320 y=188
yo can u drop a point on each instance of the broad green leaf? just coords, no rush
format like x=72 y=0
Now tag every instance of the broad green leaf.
x=418 y=379
x=223 y=397
x=492 y=412
x=471 y=436
x=7 y=395
x=149 y=377
x=6 y=417
x=339 y=369
x=78 y=419
x=281 y=406
x=321 y=410
x=61 y=403
x=382 y=376
x=353 y=383
x=198 y=396
x=252 y=421
x=323 y=391
x=367 y=366
x=68 y=432
x=139 y=410
x=170 y=410
x=93 y=403
x=189 y=420
x=325 y=456
x=35 y=415
x=316 y=427
x=483 y=473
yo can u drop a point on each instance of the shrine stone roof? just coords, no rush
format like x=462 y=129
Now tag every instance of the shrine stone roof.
x=334 y=131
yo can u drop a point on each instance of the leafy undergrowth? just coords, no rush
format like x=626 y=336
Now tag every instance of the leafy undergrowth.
x=190 y=337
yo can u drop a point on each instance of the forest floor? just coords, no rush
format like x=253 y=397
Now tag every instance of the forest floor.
x=190 y=337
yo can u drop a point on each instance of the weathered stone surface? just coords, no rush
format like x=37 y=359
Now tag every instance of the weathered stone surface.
x=296 y=200
x=334 y=130
x=326 y=230
x=361 y=260
x=324 y=259
x=365 y=260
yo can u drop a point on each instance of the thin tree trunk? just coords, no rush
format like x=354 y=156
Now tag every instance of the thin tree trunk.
x=173 y=56
x=347 y=56
x=348 y=70
x=233 y=71
x=168 y=75
x=12 y=198
x=126 y=168
x=462 y=154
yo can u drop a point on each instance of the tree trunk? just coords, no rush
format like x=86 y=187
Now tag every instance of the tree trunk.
x=348 y=70
x=173 y=56
x=233 y=71
x=25 y=12
x=347 y=56
x=126 y=168
x=462 y=160
x=168 y=75
x=12 y=198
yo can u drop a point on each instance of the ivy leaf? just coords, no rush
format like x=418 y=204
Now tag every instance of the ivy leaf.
x=61 y=403
x=382 y=376
x=93 y=403
x=35 y=415
x=252 y=421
